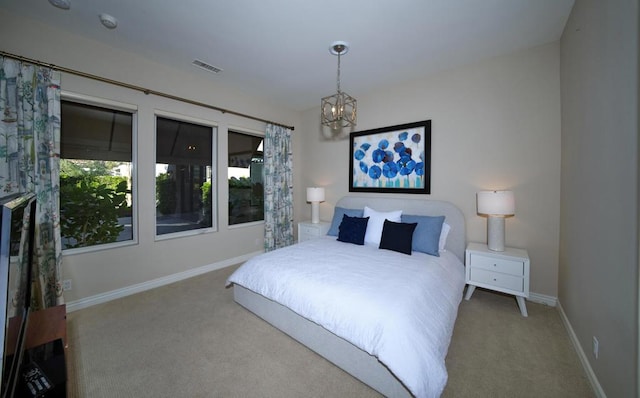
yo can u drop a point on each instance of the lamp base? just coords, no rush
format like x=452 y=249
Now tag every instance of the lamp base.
x=495 y=233
x=315 y=212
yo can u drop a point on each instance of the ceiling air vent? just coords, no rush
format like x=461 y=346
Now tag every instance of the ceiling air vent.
x=206 y=66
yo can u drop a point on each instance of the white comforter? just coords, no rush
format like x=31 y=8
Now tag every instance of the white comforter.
x=397 y=307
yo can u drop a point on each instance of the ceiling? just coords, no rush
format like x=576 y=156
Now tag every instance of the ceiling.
x=279 y=49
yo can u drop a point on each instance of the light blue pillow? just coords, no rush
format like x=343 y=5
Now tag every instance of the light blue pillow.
x=426 y=237
x=338 y=212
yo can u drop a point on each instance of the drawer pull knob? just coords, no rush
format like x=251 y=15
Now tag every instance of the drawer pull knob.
x=494 y=279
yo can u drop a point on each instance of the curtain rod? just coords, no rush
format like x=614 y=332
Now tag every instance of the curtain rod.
x=138 y=88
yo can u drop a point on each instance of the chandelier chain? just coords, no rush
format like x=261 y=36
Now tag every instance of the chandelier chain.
x=338 y=72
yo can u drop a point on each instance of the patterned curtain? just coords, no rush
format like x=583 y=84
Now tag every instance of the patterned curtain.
x=278 y=188
x=30 y=162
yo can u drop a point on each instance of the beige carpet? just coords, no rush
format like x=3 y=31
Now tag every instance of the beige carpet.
x=190 y=339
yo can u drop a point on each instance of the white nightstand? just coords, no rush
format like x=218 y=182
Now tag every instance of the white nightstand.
x=308 y=230
x=506 y=271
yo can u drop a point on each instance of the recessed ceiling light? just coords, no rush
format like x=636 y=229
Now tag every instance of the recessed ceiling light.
x=108 y=21
x=64 y=4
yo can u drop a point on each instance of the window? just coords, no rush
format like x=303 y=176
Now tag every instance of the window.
x=184 y=186
x=96 y=189
x=246 y=189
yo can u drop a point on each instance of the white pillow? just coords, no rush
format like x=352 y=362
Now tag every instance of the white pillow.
x=444 y=232
x=376 y=223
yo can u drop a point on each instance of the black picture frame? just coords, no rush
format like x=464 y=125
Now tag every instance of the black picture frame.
x=394 y=159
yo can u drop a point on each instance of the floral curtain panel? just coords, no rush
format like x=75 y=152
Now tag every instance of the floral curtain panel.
x=278 y=184
x=30 y=162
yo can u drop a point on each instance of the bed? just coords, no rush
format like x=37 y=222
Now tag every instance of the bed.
x=358 y=316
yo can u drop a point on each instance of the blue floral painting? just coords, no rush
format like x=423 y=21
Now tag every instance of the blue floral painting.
x=391 y=159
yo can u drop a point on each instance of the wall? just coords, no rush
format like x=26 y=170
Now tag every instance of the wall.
x=104 y=271
x=598 y=287
x=495 y=125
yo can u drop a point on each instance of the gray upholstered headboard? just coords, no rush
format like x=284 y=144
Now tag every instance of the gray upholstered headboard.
x=456 y=241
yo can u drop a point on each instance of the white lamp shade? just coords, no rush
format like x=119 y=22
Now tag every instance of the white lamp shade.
x=315 y=194
x=496 y=203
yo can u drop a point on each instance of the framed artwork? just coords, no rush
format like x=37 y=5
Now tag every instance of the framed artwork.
x=394 y=159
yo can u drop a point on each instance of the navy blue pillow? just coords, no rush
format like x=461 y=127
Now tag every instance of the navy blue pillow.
x=397 y=236
x=338 y=212
x=426 y=237
x=353 y=229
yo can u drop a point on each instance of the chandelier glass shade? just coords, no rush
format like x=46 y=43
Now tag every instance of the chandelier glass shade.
x=339 y=110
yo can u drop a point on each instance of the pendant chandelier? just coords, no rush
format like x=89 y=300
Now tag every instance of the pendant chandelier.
x=339 y=109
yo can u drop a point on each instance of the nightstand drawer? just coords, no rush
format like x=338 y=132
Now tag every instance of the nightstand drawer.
x=497 y=279
x=502 y=265
x=313 y=231
x=308 y=230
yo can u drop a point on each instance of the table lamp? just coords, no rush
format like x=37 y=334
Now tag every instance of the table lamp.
x=496 y=205
x=315 y=195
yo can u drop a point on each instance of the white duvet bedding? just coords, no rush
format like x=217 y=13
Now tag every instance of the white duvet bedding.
x=397 y=307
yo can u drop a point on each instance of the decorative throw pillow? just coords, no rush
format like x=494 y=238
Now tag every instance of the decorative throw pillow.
x=352 y=229
x=376 y=222
x=427 y=235
x=338 y=212
x=397 y=236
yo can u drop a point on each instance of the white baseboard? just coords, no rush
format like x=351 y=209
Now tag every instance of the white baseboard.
x=543 y=299
x=165 y=280
x=595 y=384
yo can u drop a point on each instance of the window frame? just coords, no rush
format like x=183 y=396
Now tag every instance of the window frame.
x=124 y=107
x=247 y=131
x=214 y=173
